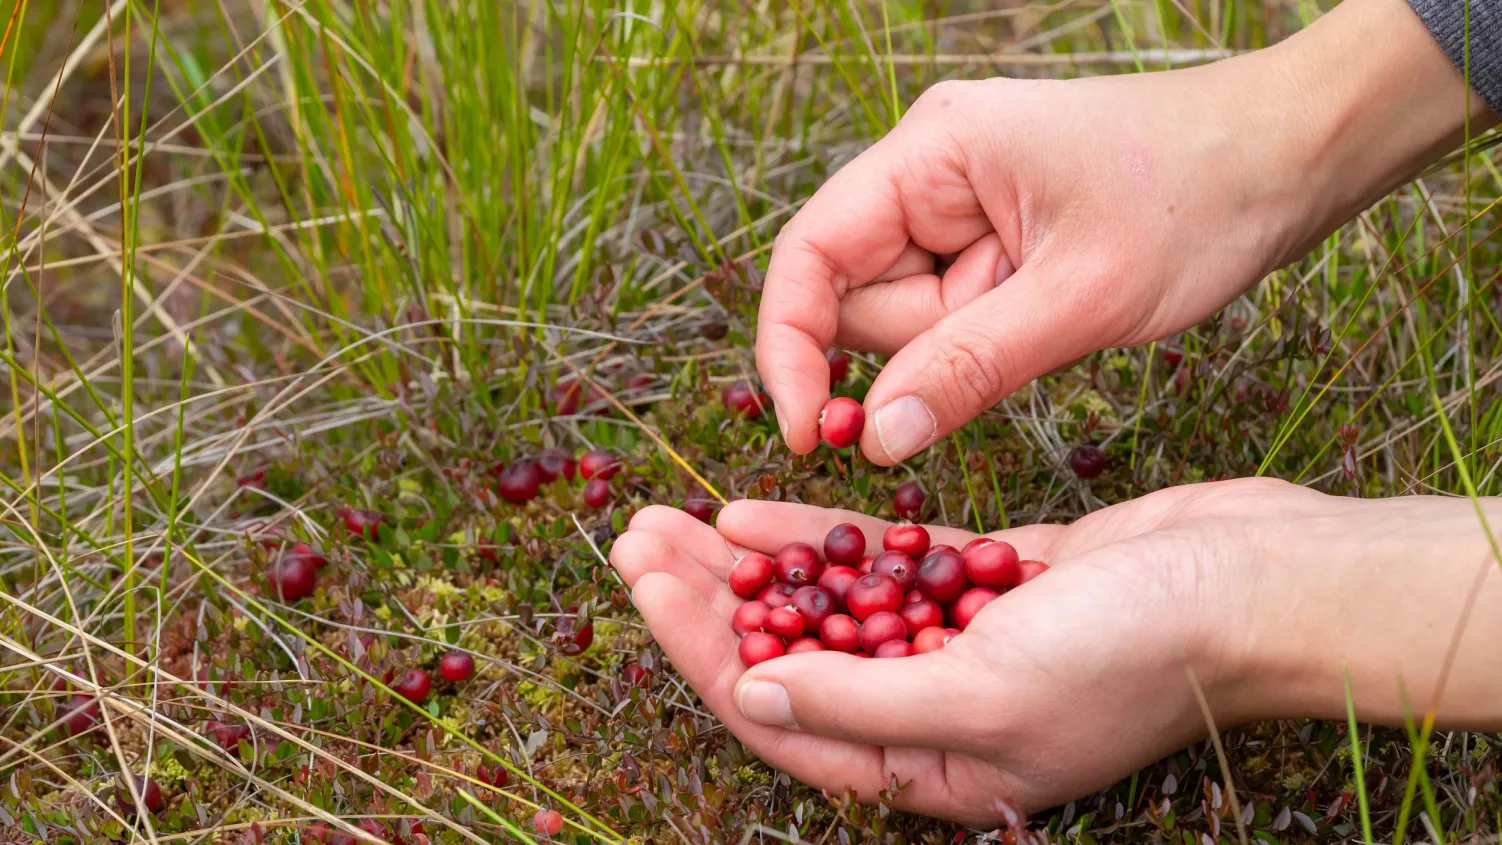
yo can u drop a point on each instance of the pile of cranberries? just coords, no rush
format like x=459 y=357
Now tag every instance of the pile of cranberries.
x=910 y=598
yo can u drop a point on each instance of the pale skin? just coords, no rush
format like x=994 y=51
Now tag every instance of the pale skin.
x=1075 y=216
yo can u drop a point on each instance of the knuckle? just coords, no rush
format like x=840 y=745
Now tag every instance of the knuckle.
x=972 y=370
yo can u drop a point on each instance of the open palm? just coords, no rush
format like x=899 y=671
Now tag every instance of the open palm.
x=1056 y=689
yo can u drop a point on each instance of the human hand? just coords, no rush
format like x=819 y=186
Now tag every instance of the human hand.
x=1057 y=688
x=1086 y=214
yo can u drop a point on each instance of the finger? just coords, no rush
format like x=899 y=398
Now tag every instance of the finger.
x=688 y=534
x=923 y=701
x=637 y=554
x=968 y=361
x=768 y=526
x=914 y=261
x=883 y=318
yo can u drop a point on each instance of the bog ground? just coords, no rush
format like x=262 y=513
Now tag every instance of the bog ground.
x=313 y=310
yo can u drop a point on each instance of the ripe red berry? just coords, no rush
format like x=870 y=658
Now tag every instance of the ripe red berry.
x=921 y=614
x=913 y=596
x=867 y=561
x=364 y=523
x=413 y=686
x=777 y=593
x=899 y=566
x=879 y=628
x=845 y=544
x=908 y=501
x=841 y=422
x=301 y=549
x=80 y=714
x=975 y=544
x=798 y=564
x=907 y=538
x=968 y=605
x=565 y=395
x=456 y=666
x=814 y=604
x=1172 y=356
x=749 y=617
x=556 y=463
x=751 y=574
x=941 y=576
x=228 y=734
x=741 y=398
x=1087 y=460
x=942 y=547
x=571 y=634
x=597 y=492
x=784 y=622
x=293 y=578
x=840 y=633
x=894 y=648
x=993 y=565
x=636 y=675
x=519 y=482
x=803 y=644
x=600 y=463
x=150 y=792
x=872 y=594
x=700 y=509
x=548 y=822
x=836 y=581
x=931 y=639
x=839 y=366
x=1027 y=570
x=757 y=647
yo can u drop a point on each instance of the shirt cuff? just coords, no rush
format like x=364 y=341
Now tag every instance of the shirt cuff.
x=1446 y=20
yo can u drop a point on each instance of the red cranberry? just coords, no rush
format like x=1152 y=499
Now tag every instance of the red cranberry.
x=364 y=523
x=975 y=544
x=942 y=547
x=993 y=565
x=751 y=574
x=969 y=604
x=293 y=578
x=912 y=597
x=744 y=400
x=836 y=581
x=777 y=593
x=881 y=627
x=519 y=482
x=565 y=395
x=784 y=622
x=548 y=822
x=798 y=564
x=841 y=421
x=556 y=463
x=1172 y=356
x=599 y=463
x=301 y=549
x=413 y=686
x=907 y=538
x=757 y=647
x=228 y=734
x=80 y=714
x=921 y=614
x=571 y=634
x=749 y=617
x=700 y=509
x=872 y=594
x=803 y=644
x=840 y=633
x=931 y=639
x=597 y=492
x=867 y=561
x=899 y=566
x=151 y=796
x=839 y=366
x=456 y=666
x=1087 y=460
x=908 y=501
x=814 y=604
x=1027 y=570
x=941 y=576
x=894 y=648
x=845 y=544
x=636 y=675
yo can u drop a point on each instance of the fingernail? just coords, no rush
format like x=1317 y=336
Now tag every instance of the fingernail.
x=903 y=426
x=766 y=703
x=782 y=423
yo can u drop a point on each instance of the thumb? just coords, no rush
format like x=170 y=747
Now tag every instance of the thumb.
x=922 y=701
x=970 y=360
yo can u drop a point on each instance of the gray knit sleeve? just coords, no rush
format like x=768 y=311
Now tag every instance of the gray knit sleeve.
x=1446 y=19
